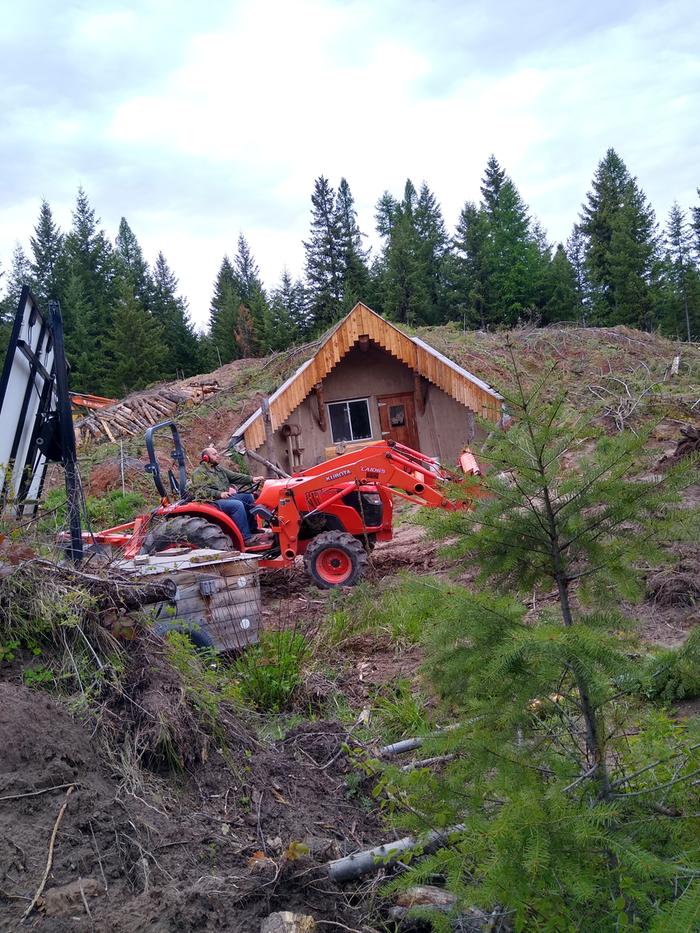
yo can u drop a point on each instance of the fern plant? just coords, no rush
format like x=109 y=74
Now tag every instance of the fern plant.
x=578 y=808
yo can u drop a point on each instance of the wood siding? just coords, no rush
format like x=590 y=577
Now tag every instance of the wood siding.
x=462 y=386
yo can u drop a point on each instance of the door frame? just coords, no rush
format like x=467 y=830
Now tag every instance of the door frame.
x=409 y=402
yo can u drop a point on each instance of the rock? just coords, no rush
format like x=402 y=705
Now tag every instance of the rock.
x=285 y=921
x=426 y=895
x=64 y=899
x=431 y=898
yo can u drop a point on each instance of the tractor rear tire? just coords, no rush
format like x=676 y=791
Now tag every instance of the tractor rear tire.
x=335 y=558
x=187 y=529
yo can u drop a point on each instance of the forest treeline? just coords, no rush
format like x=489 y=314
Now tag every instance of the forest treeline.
x=127 y=324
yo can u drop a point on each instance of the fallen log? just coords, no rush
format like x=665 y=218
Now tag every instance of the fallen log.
x=362 y=863
x=114 y=592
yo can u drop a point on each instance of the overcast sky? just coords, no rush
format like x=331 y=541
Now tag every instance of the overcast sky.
x=200 y=120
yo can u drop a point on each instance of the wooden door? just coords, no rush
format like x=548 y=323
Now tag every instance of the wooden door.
x=397 y=417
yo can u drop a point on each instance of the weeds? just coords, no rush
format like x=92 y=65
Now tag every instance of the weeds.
x=270 y=671
x=400 y=712
x=400 y=612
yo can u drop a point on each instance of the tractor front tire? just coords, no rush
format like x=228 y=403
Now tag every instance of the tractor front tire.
x=186 y=529
x=335 y=558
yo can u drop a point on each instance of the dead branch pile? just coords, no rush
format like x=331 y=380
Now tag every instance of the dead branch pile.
x=138 y=412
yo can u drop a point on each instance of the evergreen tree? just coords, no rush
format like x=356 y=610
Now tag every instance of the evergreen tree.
x=48 y=264
x=5 y=323
x=516 y=259
x=246 y=271
x=468 y=268
x=386 y=213
x=223 y=317
x=170 y=311
x=575 y=250
x=288 y=310
x=695 y=226
x=682 y=275
x=324 y=282
x=353 y=257
x=432 y=252
x=405 y=279
x=620 y=231
x=90 y=274
x=491 y=185
x=130 y=264
x=20 y=274
x=135 y=345
x=562 y=302
x=558 y=808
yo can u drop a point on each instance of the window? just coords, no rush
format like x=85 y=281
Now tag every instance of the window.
x=350 y=420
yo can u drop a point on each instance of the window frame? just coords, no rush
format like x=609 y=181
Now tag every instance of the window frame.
x=347 y=402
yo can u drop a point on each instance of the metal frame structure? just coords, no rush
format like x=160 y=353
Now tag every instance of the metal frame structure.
x=36 y=424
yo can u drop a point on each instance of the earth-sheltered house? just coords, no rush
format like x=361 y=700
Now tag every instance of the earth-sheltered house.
x=369 y=381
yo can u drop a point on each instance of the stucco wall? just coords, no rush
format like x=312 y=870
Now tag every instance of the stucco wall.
x=443 y=429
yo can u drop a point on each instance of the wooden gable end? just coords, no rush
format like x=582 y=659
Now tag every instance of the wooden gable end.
x=420 y=357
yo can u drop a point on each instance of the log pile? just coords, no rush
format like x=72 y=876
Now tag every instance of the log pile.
x=131 y=417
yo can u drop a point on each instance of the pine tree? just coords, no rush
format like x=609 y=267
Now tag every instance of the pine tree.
x=135 y=345
x=575 y=250
x=559 y=812
x=695 y=226
x=48 y=264
x=90 y=296
x=223 y=317
x=288 y=309
x=246 y=271
x=516 y=261
x=432 y=252
x=468 y=268
x=405 y=276
x=492 y=183
x=170 y=311
x=353 y=257
x=621 y=245
x=324 y=283
x=562 y=302
x=130 y=264
x=20 y=274
x=682 y=275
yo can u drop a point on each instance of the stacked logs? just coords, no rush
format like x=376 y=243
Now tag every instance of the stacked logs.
x=138 y=412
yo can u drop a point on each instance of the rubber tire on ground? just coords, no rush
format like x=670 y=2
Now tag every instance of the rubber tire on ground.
x=187 y=529
x=335 y=541
x=195 y=633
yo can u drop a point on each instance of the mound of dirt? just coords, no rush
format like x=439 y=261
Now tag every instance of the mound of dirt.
x=242 y=831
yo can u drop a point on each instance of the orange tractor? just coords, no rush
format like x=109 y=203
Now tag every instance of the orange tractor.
x=331 y=514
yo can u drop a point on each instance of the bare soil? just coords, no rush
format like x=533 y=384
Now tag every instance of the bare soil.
x=208 y=850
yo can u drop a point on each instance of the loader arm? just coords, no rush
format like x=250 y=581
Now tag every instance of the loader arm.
x=400 y=470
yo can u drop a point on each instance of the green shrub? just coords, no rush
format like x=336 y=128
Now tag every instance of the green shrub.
x=271 y=670
x=673 y=674
x=114 y=508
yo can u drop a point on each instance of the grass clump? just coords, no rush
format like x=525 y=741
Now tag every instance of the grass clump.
x=270 y=671
x=400 y=611
x=113 y=508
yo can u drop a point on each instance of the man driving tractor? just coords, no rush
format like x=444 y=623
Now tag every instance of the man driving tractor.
x=229 y=491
